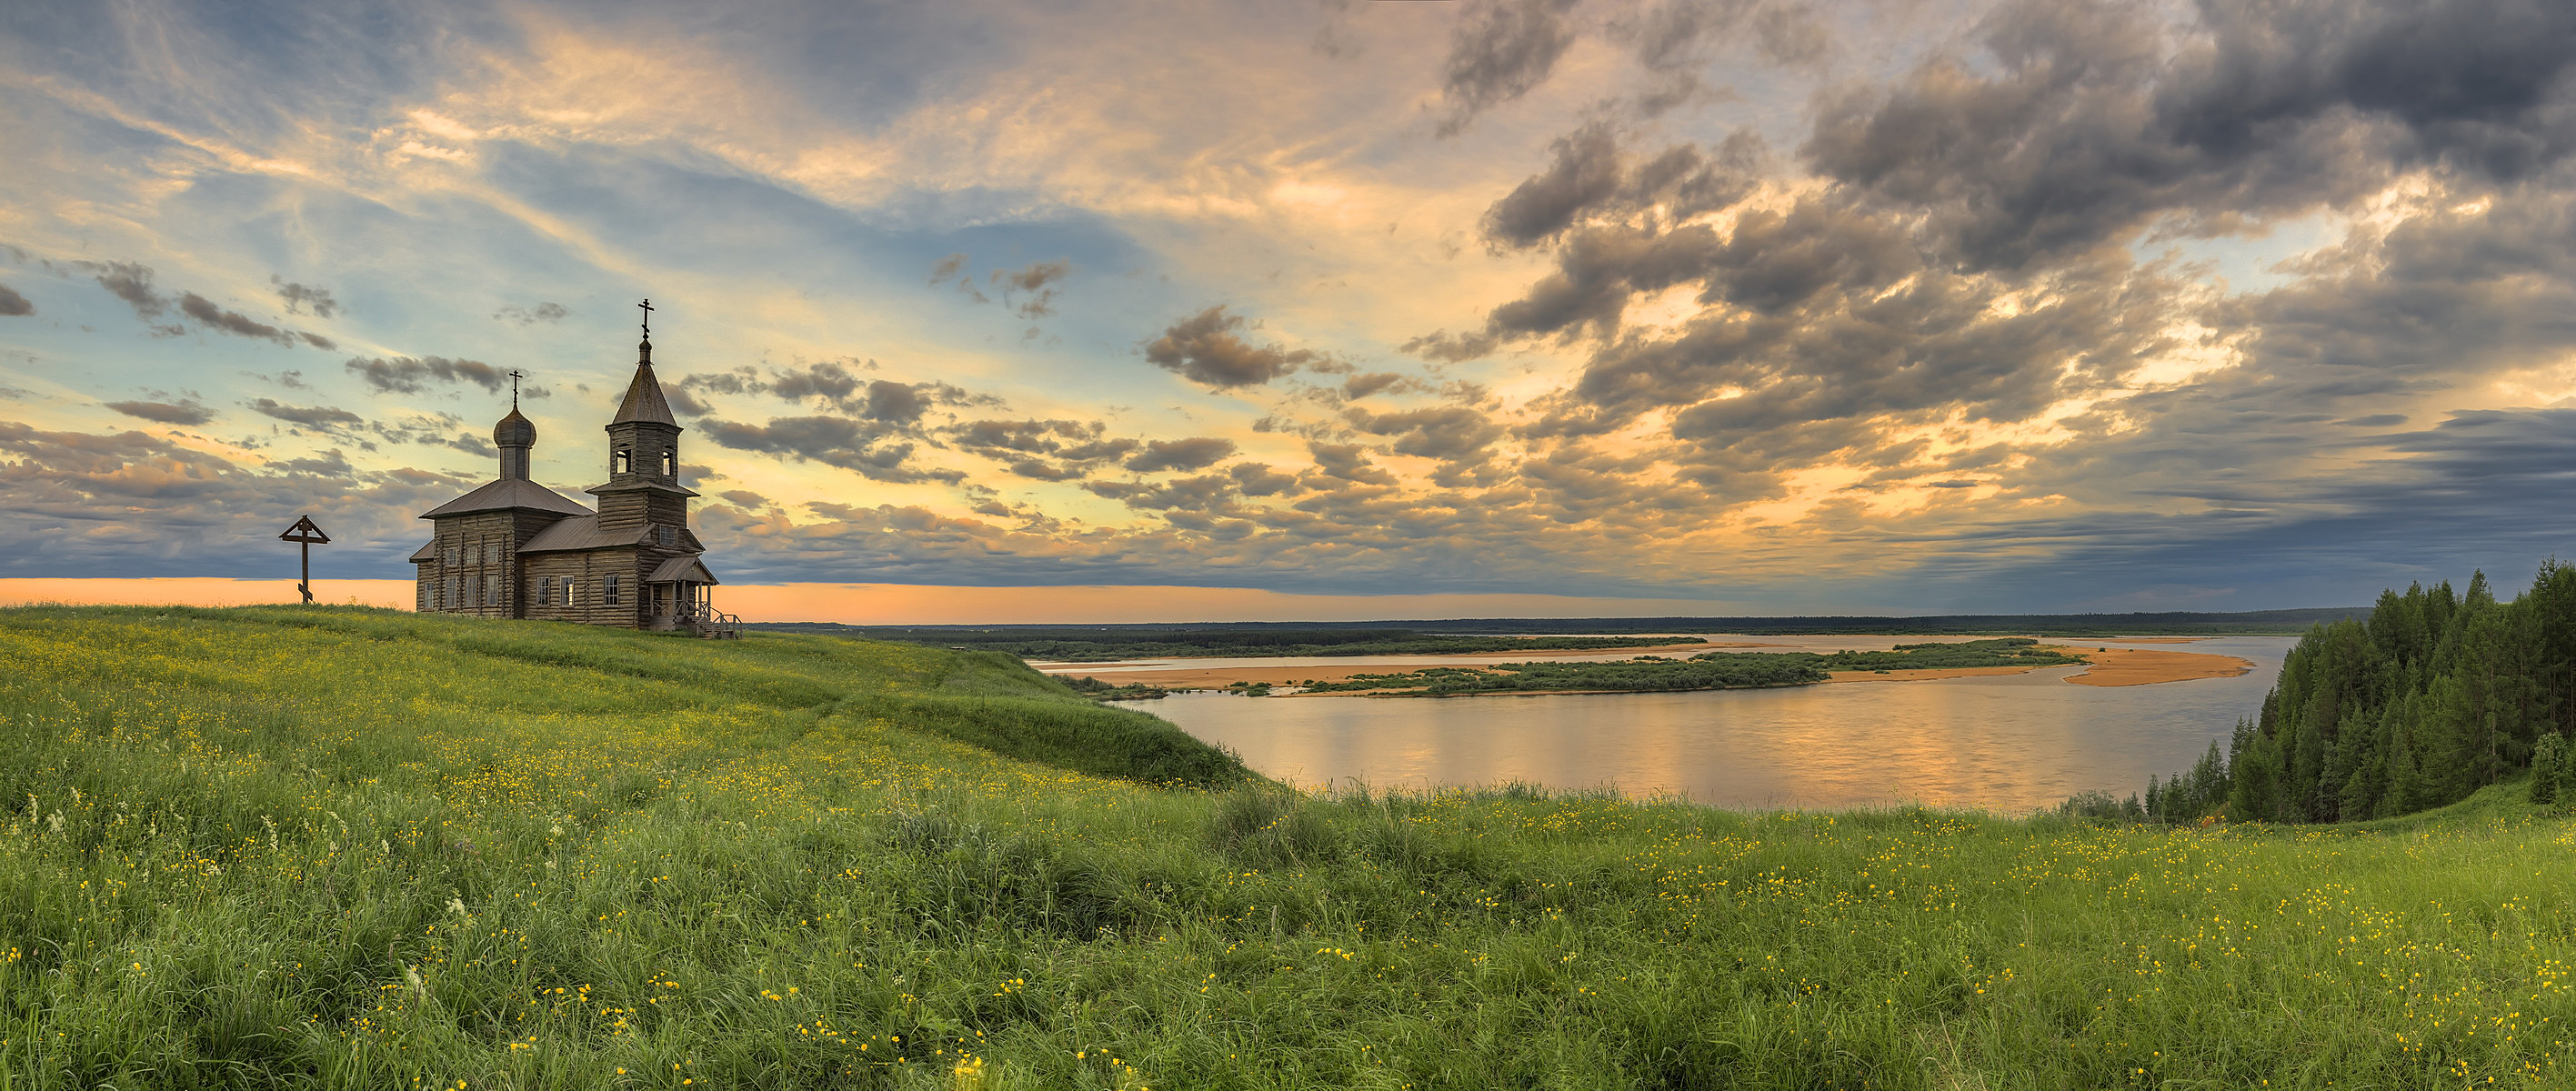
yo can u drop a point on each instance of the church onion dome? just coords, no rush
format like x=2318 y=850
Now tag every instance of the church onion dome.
x=514 y=431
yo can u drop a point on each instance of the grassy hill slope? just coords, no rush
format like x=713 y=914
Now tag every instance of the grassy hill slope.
x=350 y=848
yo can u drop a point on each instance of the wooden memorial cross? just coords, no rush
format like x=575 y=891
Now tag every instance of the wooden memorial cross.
x=306 y=536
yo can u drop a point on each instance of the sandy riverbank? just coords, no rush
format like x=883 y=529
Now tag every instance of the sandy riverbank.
x=2146 y=667
x=2115 y=667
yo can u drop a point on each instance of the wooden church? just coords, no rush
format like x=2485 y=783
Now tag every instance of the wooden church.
x=517 y=549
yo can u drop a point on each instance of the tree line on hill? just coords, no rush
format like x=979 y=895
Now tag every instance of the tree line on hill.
x=2434 y=695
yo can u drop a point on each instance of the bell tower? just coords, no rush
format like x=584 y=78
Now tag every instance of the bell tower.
x=643 y=453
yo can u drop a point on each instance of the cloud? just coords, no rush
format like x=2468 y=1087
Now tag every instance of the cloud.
x=12 y=304
x=133 y=284
x=185 y=411
x=409 y=375
x=1592 y=179
x=1076 y=446
x=1258 y=479
x=1348 y=462
x=833 y=441
x=744 y=498
x=529 y=316
x=313 y=416
x=946 y=267
x=297 y=297
x=898 y=403
x=1204 y=348
x=1499 y=51
x=1038 y=281
x=85 y=504
x=1449 y=432
x=1378 y=382
x=233 y=322
x=1586 y=173
x=829 y=381
x=1181 y=454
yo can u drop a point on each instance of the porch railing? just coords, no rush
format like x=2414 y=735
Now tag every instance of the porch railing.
x=703 y=617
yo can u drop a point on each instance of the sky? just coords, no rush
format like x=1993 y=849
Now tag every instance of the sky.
x=1517 y=307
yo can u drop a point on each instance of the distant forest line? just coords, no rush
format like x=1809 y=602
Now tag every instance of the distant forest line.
x=1097 y=643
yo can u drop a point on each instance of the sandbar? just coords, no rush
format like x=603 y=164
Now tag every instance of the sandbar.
x=1179 y=676
x=2145 y=667
x=2114 y=667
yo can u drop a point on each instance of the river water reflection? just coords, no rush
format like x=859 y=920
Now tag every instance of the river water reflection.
x=2009 y=743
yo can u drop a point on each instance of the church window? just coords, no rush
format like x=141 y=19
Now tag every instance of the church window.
x=491 y=591
x=447 y=556
x=666 y=535
x=545 y=590
x=608 y=590
x=670 y=463
x=623 y=462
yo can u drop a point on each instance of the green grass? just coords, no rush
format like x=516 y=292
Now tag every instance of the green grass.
x=350 y=848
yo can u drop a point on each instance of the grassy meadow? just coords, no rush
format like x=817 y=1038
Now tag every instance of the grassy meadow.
x=339 y=847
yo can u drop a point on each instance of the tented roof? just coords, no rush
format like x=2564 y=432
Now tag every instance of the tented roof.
x=644 y=400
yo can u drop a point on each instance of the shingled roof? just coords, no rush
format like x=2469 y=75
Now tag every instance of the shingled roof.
x=508 y=494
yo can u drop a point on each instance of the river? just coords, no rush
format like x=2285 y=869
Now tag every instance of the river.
x=2009 y=743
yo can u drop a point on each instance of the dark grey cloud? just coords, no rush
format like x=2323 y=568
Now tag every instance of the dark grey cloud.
x=1586 y=173
x=1499 y=51
x=1037 y=283
x=529 y=316
x=310 y=416
x=1348 y=462
x=233 y=322
x=830 y=381
x=1591 y=178
x=83 y=504
x=744 y=498
x=1047 y=450
x=1448 y=432
x=1378 y=382
x=14 y=305
x=301 y=297
x=1258 y=479
x=866 y=448
x=185 y=411
x=836 y=384
x=1206 y=348
x=1212 y=493
x=1195 y=453
x=410 y=375
x=135 y=286
x=2082 y=126
x=898 y=403
x=133 y=283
